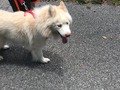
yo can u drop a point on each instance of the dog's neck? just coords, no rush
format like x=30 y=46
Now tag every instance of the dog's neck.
x=31 y=12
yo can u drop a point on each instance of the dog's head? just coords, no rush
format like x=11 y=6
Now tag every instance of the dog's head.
x=55 y=20
x=61 y=21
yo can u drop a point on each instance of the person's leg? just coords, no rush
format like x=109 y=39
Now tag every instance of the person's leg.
x=16 y=5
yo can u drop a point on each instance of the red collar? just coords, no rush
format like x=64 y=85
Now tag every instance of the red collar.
x=31 y=12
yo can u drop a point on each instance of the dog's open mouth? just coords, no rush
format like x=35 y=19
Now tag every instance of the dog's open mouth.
x=64 y=39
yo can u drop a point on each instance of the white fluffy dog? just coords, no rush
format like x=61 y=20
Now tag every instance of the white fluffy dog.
x=33 y=32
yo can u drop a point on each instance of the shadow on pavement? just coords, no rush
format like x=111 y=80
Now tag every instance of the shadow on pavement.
x=21 y=57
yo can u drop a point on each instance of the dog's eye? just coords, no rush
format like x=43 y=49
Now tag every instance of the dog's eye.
x=59 y=25
x=67 y=23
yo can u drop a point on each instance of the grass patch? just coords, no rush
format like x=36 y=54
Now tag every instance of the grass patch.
x=89 y=1
x=115 y=2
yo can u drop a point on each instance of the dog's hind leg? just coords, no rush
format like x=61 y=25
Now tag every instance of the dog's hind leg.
x=2 y=43
x=38 y=56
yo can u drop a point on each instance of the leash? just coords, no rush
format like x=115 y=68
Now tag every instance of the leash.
x=22 y=2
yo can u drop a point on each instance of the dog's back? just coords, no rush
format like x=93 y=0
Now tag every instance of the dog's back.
x=14 y=23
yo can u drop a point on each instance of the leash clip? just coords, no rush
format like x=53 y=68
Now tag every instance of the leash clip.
x=26 y=8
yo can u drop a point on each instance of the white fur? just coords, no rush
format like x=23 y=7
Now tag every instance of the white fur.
x=32 y=33
x=64 y=30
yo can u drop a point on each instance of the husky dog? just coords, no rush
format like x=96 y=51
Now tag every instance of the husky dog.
x=31 y=31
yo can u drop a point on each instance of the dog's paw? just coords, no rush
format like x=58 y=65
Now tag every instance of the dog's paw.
x=1 y=58
x=45 y=60
x=6 y=47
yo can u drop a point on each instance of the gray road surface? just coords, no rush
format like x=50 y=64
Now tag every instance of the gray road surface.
x=89 y=61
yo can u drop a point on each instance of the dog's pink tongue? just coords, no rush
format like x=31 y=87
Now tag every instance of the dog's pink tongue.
x=64 y=40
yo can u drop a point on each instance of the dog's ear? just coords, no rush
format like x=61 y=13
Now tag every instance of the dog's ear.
x=51 y=11
x=62 y=6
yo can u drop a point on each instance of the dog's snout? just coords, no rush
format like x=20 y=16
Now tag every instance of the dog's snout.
x=68 y=34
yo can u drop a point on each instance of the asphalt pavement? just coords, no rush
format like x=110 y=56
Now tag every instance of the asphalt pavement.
x=89 y=61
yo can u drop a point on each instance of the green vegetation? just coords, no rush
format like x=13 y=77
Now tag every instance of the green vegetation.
x=90 y=1
x=115 y=2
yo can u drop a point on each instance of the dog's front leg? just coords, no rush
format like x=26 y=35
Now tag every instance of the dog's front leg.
x=38 y=56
